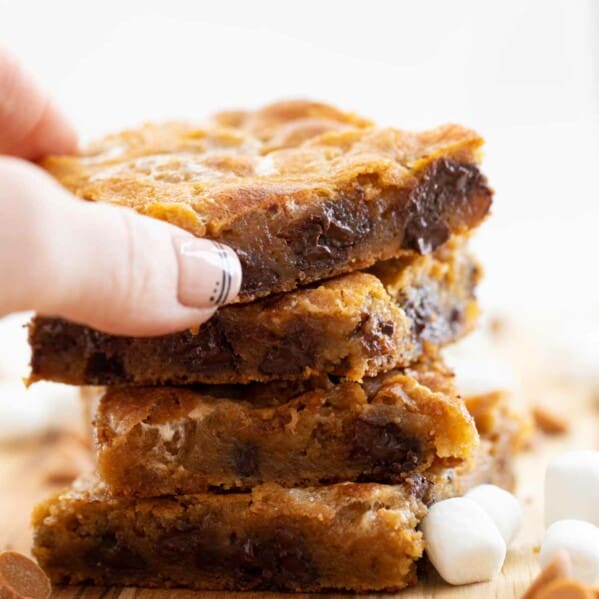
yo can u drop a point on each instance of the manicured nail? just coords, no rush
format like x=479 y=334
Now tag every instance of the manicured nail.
x=209 y=272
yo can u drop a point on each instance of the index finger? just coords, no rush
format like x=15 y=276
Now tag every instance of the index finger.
x=31 y=125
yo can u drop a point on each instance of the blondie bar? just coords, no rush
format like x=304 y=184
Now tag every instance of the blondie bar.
x=352 y=536
x=347 y=536
x=352 y=326
x=359 y=536
x=168 y=440
x=300 y=190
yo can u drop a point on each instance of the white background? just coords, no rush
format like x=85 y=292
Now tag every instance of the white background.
x=524 y=73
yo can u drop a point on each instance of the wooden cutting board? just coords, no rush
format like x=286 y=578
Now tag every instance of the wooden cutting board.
x=26 y=471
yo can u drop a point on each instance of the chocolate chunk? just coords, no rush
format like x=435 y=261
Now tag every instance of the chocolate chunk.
x=375 y=334
x=277 y=560
x=446 y=188
x=174 y=548
x=292 y=355
x=256 y=278
x=246 y=459
x=387 y=327
x=104 y=369
x=111 y=555
x=208 y=351
x=386 y=447
x=322 y=239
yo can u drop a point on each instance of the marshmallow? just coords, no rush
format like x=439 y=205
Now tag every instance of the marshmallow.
x=462 y=541
x=503 y=508
x=580 y=540
x=572 y=487
x=25 y=412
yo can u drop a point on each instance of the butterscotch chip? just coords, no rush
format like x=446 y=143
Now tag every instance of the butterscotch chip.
x=549 y=422
x=565 y=589
x=559 y=567
x=22 y=578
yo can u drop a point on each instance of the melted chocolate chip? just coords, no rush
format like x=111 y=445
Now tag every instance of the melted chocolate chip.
x=197 y=547
x=103 y=369
x=245 y=459
x=175 y=547
x=277 y=559
x=322 y=239
x=446 y=190
x=290 y=356
x=256 y=278
x=386 y=448
x=109 y=554
x=375 y=334
x=207 y=352
x=387 y=328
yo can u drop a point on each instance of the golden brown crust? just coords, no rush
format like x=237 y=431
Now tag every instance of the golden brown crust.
x=205 y=172
x=296 y=188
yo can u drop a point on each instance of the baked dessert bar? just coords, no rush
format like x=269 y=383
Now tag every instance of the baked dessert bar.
x=351 y=536
x=167 y=440
x=352 y=326
x=356 y=536
x=301 y=190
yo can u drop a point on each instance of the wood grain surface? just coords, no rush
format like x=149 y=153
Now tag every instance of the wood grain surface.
x=31 y=470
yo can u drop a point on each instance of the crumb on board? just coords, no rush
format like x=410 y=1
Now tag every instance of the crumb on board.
x=549 y=422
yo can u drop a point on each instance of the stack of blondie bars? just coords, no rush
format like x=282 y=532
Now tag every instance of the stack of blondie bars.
x=293 y=441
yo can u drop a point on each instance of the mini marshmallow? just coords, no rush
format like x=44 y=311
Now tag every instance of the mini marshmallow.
x=580 y=540
x=462 y=541
x=572 y=487
x=503 y=508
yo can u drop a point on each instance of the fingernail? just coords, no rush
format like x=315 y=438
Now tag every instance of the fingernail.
x=209 y=272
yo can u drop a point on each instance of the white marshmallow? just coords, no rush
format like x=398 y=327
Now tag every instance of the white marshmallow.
x=572 y=487
x=580 y=540
x=462 y=541
x=503 y=508
x=43 y=406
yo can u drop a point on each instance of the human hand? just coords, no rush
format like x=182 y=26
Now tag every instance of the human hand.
x=100 y=265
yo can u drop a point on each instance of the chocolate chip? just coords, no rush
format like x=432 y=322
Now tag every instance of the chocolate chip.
x=322 y=238
x=105 y=370
x=175 y=547
x=111 y=555
x=387 y=327
x=447 y=188
x=375 y=334
x=245 y=458
x=256 y=277
x=276 y=560
x=386 y=448
x=292 y=355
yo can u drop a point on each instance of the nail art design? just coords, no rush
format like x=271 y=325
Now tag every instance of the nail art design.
x=223 y=286
x=209 y=272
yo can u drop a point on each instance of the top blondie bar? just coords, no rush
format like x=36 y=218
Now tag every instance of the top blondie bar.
x=300 y=190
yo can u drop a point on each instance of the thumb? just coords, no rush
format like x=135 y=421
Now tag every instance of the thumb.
x=101 y=265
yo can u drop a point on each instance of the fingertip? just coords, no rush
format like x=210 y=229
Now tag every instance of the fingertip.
x=54 y=134
x=209 y=272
